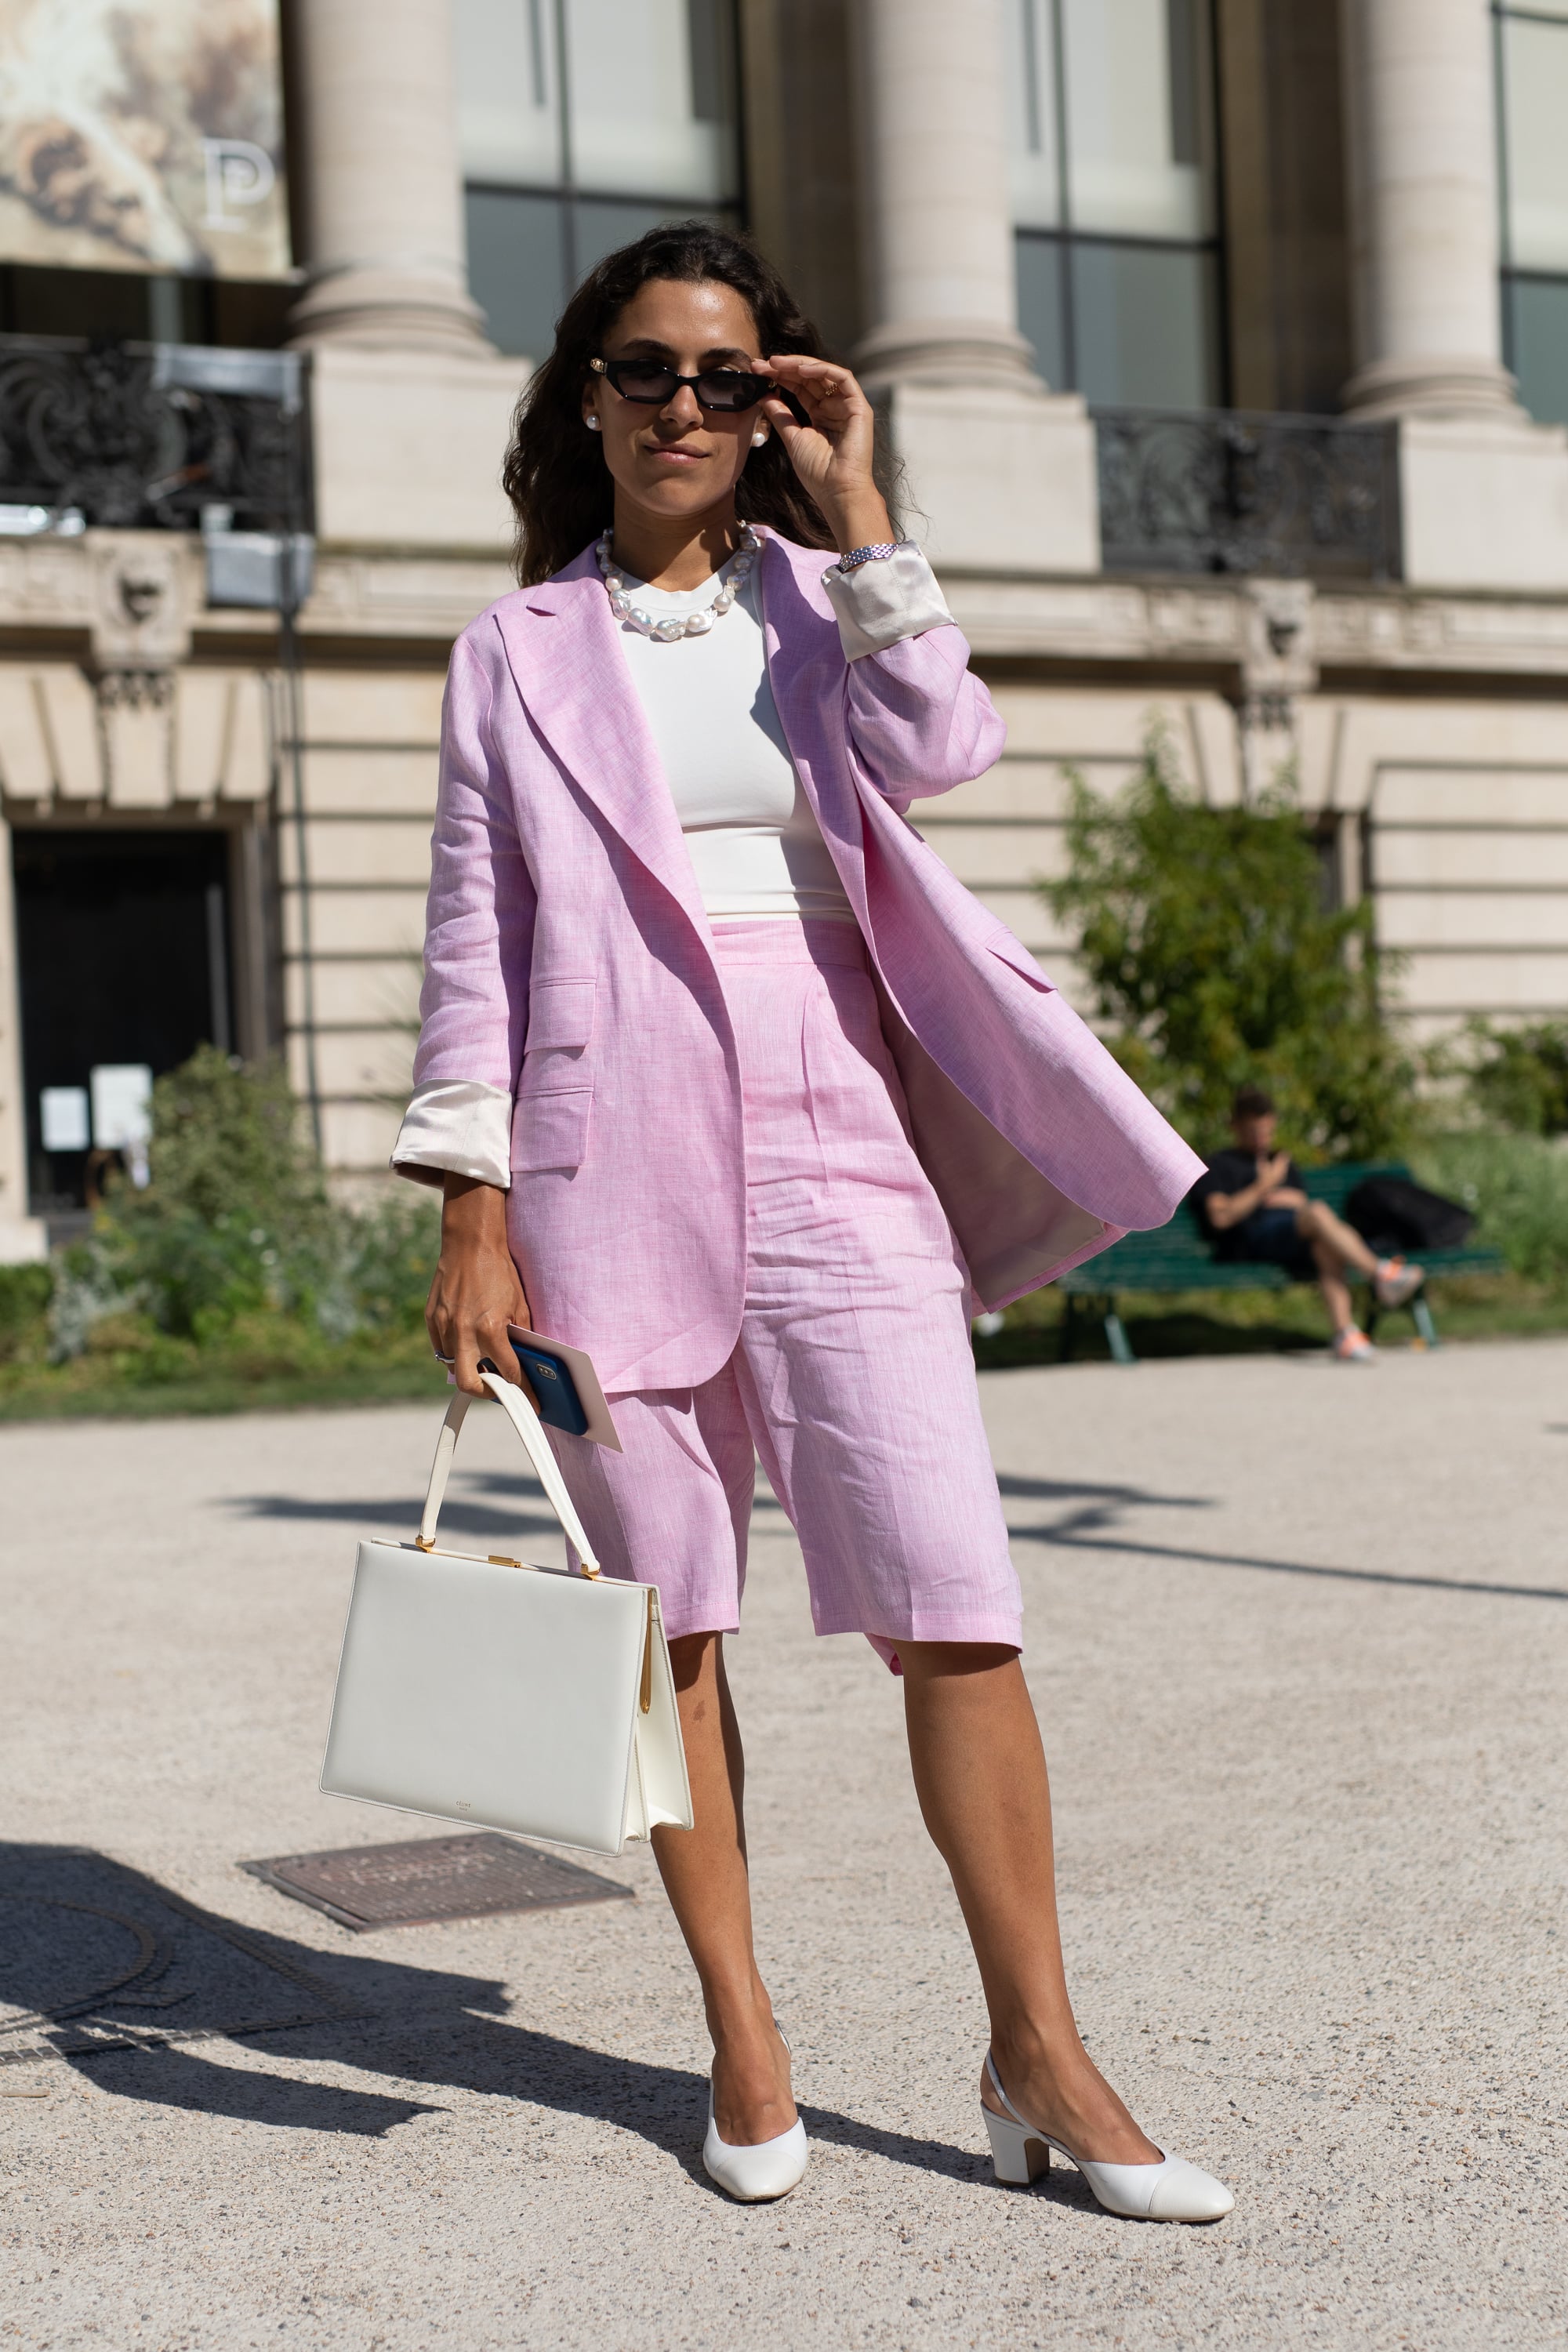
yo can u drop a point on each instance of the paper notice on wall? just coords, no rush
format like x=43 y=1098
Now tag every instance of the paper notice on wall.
x=142 y=134
x=122 y=1105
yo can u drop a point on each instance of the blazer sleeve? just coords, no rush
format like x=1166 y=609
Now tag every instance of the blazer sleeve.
x=478 y=940
x=918 y=721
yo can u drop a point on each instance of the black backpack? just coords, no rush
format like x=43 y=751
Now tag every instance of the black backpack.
x=1391 y=1215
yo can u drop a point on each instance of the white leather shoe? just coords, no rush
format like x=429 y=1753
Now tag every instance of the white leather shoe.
x=771 y=2167
x=1171 y=2190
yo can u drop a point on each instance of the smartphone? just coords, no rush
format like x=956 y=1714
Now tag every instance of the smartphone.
x=564 y=1380
x=550 y=1377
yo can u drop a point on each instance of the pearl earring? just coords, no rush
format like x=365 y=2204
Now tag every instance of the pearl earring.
x=758 y=437
x=591 y=423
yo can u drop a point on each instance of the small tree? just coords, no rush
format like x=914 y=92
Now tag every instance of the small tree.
x=1213 y=951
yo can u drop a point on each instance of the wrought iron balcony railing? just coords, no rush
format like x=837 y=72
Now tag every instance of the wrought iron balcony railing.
x=141 y=435
x=1223 y=490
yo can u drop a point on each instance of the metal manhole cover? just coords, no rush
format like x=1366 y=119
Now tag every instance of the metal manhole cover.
x=420 y=1880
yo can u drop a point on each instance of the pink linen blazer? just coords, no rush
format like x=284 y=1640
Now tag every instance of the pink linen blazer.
x=569 y=962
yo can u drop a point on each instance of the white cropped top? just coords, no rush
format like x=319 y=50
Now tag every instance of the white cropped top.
x=754 y=841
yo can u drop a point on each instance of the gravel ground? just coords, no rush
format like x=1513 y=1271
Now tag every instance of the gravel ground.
x=1297 y=1638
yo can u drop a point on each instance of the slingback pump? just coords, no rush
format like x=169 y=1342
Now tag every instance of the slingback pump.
x=1171 y=2190
x=769 y=2168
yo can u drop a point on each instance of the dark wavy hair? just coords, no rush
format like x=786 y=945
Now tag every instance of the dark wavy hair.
x=555 y=475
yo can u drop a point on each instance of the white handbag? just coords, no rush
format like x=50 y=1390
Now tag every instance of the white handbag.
x=509 y=1697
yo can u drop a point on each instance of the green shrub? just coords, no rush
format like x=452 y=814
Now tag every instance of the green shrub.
x=23 y=1310
x=1217 y=963
x=1517 y=1077
x=1518 y=1187
x=237 y=1226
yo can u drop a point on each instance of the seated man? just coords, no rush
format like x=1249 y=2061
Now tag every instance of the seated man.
x=1253 y=1200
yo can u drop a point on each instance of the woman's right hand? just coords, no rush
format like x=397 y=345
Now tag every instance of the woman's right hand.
x=477 y=1291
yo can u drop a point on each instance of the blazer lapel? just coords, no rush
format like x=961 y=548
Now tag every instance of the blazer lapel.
x=562 y=649
x=804 y=659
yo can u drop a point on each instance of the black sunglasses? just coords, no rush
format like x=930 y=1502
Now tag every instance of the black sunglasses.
x=723 y=390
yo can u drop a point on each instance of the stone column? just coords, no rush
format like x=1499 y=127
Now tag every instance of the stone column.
x=1001 y=476
x=938 y=230
x=378 y=153
x=1424 y=209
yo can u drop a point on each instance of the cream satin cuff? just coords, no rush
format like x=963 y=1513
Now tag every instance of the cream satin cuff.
x=456 y=1124
x=893 y=596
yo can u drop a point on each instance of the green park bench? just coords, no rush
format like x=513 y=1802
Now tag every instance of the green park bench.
x=1177 y=1256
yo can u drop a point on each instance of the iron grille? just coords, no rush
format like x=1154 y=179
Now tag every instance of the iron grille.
x=1225 y=491
x=137 y=435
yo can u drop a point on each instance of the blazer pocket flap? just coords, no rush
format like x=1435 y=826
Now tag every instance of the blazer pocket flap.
x=550 y=1129
x=560 y=1016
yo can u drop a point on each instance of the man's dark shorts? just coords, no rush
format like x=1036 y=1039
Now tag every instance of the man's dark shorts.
x=1270 y=1235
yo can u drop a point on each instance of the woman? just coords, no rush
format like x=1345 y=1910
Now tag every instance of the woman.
x=691 y=987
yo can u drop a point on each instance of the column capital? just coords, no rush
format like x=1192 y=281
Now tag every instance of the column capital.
x=372 y=305
x=945 y=350
x=1432 y=386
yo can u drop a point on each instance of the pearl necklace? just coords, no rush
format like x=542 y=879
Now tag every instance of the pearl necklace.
x=732 y=580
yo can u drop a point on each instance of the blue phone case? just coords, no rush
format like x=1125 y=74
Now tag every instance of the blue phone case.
x=552 y=1384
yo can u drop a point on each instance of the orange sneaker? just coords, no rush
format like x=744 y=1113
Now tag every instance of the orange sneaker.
x=1396 y=1284
x=1353 y=1347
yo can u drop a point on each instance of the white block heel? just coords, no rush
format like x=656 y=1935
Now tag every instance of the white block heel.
x=1171 y=2190
x=767 y=2170
x=1018 y=2153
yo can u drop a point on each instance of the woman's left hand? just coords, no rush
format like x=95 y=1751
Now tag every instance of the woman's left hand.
x=832 y=452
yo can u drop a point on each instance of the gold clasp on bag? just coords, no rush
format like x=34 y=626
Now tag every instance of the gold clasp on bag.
x=645 y=1695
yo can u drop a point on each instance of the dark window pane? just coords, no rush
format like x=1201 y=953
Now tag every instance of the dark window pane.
x=1537 y=316
x=1183 y=37
x=517 y=270
x=708 y=25
x=1145 y=326
x=109 y=303
x=1040 y=305
x=602 y=223
x=95 y=988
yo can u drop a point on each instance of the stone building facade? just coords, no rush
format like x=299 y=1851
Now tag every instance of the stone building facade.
x=1224 y=344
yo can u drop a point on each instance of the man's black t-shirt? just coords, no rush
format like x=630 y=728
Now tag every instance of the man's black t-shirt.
x=1230 y=1171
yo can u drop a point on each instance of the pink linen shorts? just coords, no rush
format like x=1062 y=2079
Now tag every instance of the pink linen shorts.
x=852 y=1378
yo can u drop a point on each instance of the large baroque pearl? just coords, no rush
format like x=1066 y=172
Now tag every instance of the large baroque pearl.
x=667 y=630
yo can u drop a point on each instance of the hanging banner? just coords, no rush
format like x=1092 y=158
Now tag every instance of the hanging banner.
x=142 y=134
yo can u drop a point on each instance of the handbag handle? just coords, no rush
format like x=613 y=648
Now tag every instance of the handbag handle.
x=527 y=1423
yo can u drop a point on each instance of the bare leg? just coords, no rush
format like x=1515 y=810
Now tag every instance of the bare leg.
x=705 y=1877
x=1334 y=1287
x=1335 y=1245
x=980 y=1775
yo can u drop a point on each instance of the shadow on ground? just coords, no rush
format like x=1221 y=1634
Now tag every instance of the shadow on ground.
x=497 y=1503
x=1100 y=1525
x=106 y=1970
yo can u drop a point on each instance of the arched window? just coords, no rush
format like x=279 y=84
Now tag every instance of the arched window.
x=582 y=123
x=1112 y=149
